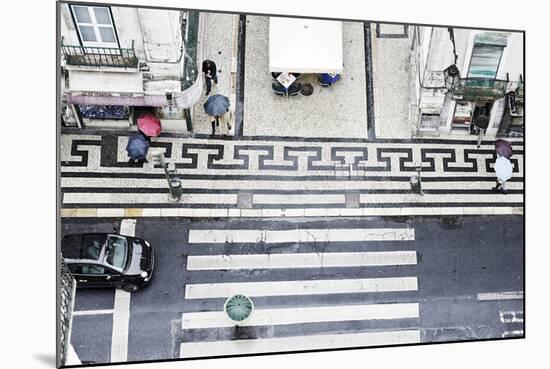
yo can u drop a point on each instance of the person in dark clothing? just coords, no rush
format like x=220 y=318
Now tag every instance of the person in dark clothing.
x=215 y=123
x=482 y=122
x=210 y=73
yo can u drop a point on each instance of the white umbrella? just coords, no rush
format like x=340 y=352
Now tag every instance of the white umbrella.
x=503 y=168
x=305 y=45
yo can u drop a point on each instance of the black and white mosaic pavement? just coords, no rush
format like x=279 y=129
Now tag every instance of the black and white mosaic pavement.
x=285 y=173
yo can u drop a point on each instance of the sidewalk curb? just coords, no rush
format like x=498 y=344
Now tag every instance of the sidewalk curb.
x=285 y=213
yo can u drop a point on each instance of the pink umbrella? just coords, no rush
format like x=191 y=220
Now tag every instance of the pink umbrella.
x=149 y=125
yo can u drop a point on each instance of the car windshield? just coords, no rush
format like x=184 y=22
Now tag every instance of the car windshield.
x=116 y=251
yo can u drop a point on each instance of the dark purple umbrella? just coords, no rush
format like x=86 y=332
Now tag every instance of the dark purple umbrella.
x=503 y=148
x=137 y=147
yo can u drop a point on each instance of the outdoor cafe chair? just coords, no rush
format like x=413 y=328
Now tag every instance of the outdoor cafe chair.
x=324 y=81
x=279 y=89
x=294 y=88
x=277 y=74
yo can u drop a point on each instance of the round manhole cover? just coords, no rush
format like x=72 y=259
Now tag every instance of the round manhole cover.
x=238 y=308
x=306 y=89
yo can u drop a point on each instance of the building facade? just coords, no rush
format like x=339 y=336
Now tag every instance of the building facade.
x=120 y=62
x=460 y=75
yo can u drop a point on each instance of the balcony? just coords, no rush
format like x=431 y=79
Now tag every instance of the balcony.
x=99 y=56
x=480 y=89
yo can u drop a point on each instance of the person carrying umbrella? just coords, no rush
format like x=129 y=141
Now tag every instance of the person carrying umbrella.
x=137 y=148
x=216 y=106
x=503 y=167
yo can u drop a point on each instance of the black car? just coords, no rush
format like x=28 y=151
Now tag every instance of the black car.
x=108 y=260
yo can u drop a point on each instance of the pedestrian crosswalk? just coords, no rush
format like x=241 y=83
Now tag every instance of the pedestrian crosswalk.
x=228 y=262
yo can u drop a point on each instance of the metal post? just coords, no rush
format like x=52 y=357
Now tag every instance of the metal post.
x=174 y=182
x=416 y=181
x=418 y=170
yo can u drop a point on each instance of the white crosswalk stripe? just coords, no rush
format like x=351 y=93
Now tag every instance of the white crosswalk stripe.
x=309 y=260
x=300 y=235
x=217 y=319
x=288 y=316
x=284 y=344
x=309 y=287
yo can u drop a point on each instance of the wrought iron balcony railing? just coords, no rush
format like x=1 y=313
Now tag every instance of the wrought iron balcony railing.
x=67 y=285
x=99 y=56
x=480 y=88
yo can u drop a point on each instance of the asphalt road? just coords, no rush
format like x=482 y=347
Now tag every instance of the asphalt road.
x=457 y=259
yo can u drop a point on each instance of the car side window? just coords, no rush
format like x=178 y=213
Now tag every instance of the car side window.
x=92 y=269
x=75 y=268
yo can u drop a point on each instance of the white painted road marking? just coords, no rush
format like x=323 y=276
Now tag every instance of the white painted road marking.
x=310 y=260
x=309 y=287
x=515 y=333
x=282 y=344
x=121 y=320
x=150 y=198
x=299 y=199
x=121 y=314
x=300 y=235
x=128 y=227
x=511 y=316
x=297 y=315
x=93 y=312
x=515 y=295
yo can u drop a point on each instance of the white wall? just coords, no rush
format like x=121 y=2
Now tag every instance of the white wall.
x=441 y=50
x=513 y=64
x=67 y=26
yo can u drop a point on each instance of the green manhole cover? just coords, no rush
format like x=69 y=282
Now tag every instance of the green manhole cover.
x=238 y=308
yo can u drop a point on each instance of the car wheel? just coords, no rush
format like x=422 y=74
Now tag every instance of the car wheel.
x=130 y=287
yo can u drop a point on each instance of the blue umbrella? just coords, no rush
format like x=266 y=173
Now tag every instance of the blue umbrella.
x=216 y=105
x=137 y=147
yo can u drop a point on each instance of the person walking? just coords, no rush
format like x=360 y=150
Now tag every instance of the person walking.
x=215 y=123
x=225 y=120
x=482 y=122
x=210 y=74
x=503 y=171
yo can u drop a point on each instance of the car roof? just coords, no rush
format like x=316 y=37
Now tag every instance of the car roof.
x=83 y=245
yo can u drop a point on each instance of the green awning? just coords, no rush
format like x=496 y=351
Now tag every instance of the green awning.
x=495 y=39
x=479 y=89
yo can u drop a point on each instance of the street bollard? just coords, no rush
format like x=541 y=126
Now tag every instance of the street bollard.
x=176 y=189
x=416 y=181
x=174 y=182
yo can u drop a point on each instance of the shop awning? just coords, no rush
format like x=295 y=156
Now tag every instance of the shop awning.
x=113 y=98
x=480 y=89
x=110 y=88
x=305 y=45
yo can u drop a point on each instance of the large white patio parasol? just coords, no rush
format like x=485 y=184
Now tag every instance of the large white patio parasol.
x=305 y=45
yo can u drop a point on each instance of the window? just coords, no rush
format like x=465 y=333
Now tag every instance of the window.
x=92 y=269
x=95 y=26
x=75 y=268
x=86 y=269
x=116 y=252
x=486 y=55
